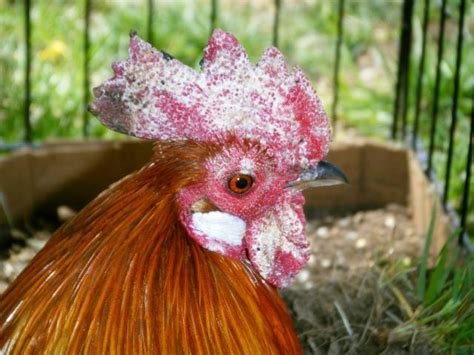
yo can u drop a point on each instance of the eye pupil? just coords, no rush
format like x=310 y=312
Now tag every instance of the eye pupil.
x=240 y=183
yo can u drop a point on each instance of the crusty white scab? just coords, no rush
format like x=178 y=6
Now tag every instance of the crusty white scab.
x=280 y=230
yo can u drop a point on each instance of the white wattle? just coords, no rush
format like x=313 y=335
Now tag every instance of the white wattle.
x=219 y=228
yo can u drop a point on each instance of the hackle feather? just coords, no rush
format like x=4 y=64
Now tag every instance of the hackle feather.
x=123 y=277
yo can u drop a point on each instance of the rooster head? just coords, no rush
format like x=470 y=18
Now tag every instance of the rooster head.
x=269 y=132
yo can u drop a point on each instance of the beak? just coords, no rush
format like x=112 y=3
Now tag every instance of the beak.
x=324 y=174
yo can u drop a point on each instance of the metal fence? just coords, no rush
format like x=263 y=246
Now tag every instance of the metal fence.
x=401 y=103
x=403 y=128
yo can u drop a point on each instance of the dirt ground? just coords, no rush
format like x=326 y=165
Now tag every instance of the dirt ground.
x=341 y=303
x=353 y=314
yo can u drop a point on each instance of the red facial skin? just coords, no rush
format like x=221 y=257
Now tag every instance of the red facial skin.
x=274 y=240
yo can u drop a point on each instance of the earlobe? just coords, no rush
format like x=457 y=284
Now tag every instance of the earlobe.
x=218 y=231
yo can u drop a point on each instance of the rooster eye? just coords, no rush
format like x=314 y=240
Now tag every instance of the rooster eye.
x=240 y=183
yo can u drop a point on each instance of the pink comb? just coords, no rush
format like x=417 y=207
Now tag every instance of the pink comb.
x=154 y=96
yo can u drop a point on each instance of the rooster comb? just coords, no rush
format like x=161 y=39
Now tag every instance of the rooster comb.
x=154 y=96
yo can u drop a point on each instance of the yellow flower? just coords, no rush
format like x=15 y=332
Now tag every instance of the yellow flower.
x=55 y=50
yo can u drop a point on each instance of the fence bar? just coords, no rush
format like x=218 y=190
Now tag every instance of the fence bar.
x=340 y=29
x=149 y=26
x=276 y=22
x=434 y=116
x=465 y=196
x=27 y=135
x=403 y=64
x=454 y=107
x=86 y=88
x=419 y=82
x=406 y=64
x=213 y=17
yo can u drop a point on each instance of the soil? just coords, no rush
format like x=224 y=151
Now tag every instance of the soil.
x=341 y=303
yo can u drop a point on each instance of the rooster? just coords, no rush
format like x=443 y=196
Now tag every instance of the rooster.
x=186 y=255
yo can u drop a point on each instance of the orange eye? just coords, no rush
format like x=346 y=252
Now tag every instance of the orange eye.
x=240 y=183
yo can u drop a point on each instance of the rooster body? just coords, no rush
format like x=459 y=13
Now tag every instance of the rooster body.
x=185 y=255
x=124 y=277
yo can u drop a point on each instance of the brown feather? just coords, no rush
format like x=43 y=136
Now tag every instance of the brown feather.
x=124 y=277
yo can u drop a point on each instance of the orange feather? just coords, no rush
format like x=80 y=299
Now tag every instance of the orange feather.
x=124 y=277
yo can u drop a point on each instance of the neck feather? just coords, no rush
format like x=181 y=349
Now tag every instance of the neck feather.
x=123 y=277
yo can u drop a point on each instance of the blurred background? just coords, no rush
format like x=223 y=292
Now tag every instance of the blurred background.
x=67 y=60
x=394 y=71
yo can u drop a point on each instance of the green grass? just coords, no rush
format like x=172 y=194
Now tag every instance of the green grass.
x=445 y=295
x=307 y=38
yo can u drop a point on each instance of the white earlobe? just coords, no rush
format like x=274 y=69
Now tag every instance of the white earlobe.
x=219 y=228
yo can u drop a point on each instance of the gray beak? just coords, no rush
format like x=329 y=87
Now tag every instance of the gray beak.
x=324 y=174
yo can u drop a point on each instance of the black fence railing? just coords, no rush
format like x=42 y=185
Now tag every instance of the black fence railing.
x=86 y=53
x=150 y=20
x=400 y=108
x=402 y=94
x=454 y=106
x=434 y=117
x=421 y=73
x=401 y=126
x=337 y=63
x=28 y=136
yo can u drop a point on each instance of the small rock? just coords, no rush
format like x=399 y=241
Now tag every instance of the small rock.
x=323 y=232
x=312 y=260
x=42 y=235
x=25 y=255
x=352 y=235
x=65 y=213
x=344 y=222
x=303 y=276
x=361 y=243
x=8 y=270
x=389 y=222
x=326 y=263
x=36 y=244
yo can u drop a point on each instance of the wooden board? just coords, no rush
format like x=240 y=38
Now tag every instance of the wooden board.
x=73 y=173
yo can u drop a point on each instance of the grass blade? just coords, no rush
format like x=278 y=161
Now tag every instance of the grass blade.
x=421 y=282
x=443 y=268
